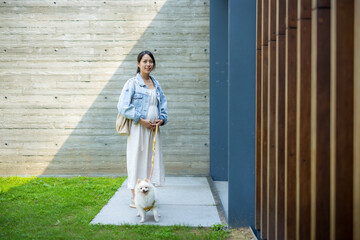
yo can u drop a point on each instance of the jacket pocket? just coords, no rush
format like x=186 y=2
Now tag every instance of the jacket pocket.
x=138 y=96
x=137 y=101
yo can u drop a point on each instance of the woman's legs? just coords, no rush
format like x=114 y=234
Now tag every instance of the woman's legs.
x=132 y=202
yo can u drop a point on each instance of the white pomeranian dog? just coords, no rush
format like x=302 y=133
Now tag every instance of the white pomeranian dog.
x=146 y=199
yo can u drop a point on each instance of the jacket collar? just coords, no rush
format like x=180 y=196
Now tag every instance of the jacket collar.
x=141 y=82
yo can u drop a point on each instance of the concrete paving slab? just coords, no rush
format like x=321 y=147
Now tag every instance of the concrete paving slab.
x=186 y=195
x=182 y=201
x=222 y=189
x=185 y=181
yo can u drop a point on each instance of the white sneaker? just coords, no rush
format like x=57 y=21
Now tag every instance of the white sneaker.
x=132 y=204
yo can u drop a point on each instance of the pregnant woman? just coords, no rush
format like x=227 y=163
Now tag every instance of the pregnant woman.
x=143 y=101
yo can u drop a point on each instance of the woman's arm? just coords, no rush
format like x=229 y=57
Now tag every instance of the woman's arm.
x=125 y=106
x=163 y=107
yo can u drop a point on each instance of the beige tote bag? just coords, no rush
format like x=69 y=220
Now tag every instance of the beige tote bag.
x=123 y=125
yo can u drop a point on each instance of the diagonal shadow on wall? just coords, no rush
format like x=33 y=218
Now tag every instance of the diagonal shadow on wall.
x=179 y=38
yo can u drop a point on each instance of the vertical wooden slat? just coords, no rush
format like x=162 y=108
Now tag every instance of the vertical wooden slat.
x=271 y=121
x=356 y=225
x=264 y=119
x=264 y=86
x=290 y=119
x=280 y=138
x=258 y=118
x=271 y=140
x=320 y=121
x=280 y=118
x=303 y=128
x=342 y=118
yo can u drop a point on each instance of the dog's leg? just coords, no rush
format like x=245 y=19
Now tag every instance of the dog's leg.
x=156 y=215
x=142 y=215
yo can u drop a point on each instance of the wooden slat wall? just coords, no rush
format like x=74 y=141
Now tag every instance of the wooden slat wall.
x=280 y=119
x=258 y=116
x=271 y=178
x=320 y=121
x=342 y=118
x=62 y=67
x=308 y=139
x=303 y=108
x=290 y=119
x=264 y=116
x=356 y=225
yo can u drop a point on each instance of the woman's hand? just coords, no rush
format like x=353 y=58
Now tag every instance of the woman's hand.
x=147 y=124
x=159 y=122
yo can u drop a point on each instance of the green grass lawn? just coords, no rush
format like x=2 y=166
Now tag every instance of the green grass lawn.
x=62 y=208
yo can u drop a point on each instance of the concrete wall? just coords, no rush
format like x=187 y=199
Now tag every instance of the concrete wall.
x=62 y=67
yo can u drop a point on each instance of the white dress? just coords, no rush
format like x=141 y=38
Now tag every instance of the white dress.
x=139 y=150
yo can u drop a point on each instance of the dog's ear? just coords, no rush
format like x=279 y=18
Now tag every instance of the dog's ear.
x=138 y=181
x=146 y=180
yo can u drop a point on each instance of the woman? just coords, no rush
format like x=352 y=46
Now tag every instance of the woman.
x=143 y=100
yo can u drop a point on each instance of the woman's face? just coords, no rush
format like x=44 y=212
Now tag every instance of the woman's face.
x=146 y=64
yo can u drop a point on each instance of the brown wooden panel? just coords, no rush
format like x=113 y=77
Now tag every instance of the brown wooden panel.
x=290 y=132
x=280 y=119
x=303 y=129
x=264 y=86
x=320 y=125
x=356 y=225
x=304 y=9
x=265 y=22
x=291 y=13
x=258 y=141
x=264 y=125
x=342 y=118
x=272 y=20
x=280 y=136
x=321 y=4
x=258 y=119
x=271 y=140
x=258 y=24
x=280 y=17
x=290 y=119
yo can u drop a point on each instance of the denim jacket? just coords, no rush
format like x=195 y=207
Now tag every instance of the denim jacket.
x=139 y=106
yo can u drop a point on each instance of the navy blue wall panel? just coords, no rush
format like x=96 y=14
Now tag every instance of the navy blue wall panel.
x=232 y=104
x=241 y=115
x=218 y=89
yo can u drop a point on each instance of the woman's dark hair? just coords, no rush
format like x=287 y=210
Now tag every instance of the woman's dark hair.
x=140 y=56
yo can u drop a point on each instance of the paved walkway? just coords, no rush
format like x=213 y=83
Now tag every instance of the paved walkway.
x=223 y=192
x=182 y=201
